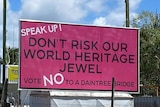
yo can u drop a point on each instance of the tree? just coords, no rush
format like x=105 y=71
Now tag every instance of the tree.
x=149 y=24
x=12 y=56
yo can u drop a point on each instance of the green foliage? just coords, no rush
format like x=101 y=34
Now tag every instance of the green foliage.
x=149 y=24
x=12 y=56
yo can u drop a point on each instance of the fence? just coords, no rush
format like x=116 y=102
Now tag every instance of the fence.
x=146 y=101
x=41 y=101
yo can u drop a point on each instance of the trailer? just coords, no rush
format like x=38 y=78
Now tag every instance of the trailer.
x=72 y=98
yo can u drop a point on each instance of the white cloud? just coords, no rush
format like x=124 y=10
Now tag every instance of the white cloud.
x=133 y=4
x=53 y=10
x=11 y=26
x=97 y=5
x=100 y=21
x=1 y=11
x=116 y=17
x=100 y=12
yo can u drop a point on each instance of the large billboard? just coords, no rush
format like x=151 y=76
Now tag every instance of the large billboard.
x=78 y=57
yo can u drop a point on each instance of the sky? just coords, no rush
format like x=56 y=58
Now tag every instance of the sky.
x=92 y=12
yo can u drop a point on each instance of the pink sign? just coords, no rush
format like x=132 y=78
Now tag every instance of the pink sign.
x=78 y=57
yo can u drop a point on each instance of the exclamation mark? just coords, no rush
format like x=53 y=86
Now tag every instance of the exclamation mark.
x=60 y=27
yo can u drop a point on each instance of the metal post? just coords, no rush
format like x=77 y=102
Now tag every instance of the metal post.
x=157 y=91
x=4 y=39
x=112 y=98
x=127 y=13
x=4 y=90
x=4 y=94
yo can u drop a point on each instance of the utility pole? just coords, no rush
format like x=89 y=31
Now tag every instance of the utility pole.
x=127 y=13
x=5 y=81
x=4 y=39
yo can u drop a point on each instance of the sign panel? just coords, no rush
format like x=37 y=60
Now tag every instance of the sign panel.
x=78 y=57
x=12 y=73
